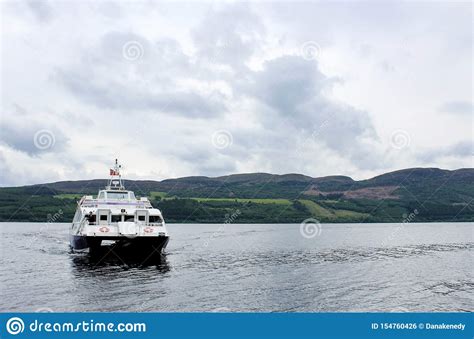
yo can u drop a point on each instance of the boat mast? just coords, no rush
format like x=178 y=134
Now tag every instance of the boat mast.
x=115 y=181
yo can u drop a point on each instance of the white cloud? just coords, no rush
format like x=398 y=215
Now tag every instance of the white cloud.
x=151 y=83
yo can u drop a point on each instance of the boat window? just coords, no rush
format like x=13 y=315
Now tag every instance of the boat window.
x=101 y=195
x=129 y=218
x=117 y=195
x=132 y=196
x=103 y=217
x=116 y=218
x=141 y=218
x=91 y=218
x=155 y=219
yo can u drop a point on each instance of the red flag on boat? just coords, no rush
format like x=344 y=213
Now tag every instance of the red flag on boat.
x=113 y=172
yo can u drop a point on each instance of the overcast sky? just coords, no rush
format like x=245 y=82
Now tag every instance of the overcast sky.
x=216 y=88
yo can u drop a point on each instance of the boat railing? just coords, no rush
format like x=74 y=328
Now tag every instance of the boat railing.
x=96 y=203
x=139 y=223
x=159 y=224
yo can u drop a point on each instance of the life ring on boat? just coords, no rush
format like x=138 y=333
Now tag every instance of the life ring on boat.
x=148 y=229
x=104 y=229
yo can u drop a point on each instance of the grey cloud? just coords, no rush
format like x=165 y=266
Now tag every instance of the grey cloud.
x=212 y=165
x=460 y=149
x=121 y=97
x=216 y=166
x=287 y=83
x=124 y=52
x=107 y=79
x=290 y=89
x=8 y=177
x=229 y=36
x=457 y=107
x=278 y=111
x=464 y=148
x=34 y=138
x=110 y=9
x=113 y=48
x=204 y=157
x=294 y=88
x=76 y=119
x=41 y=9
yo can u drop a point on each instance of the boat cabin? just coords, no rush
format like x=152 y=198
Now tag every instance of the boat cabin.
x=116 y=195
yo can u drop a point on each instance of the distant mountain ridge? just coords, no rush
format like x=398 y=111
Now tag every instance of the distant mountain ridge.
x=387 y=178
x=438 y=194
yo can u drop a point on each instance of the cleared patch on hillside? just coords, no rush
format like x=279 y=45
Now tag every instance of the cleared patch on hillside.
x=377 y=193
x=256 y=201
x=346 y=214
x=382 y=192
x=316 y=210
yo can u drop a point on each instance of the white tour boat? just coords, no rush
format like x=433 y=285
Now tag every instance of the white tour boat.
x=116 y=216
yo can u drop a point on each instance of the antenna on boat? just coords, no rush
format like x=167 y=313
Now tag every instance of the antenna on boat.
x=115 y=181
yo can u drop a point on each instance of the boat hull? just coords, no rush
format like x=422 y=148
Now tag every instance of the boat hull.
x=135 y=245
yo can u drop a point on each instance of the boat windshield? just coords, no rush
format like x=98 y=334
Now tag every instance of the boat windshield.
x=155 y=219
x=117 y=195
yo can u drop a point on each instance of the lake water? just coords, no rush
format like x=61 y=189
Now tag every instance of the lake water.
x=247 y=268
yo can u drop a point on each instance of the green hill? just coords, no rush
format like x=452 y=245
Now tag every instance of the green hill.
x=430 y=194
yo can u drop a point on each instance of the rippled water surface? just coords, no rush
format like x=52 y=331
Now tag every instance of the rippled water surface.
x=348 y=267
